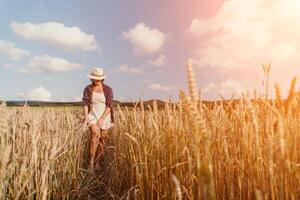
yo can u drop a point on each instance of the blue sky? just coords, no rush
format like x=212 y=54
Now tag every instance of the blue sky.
x=106 y=21
x=47 y=47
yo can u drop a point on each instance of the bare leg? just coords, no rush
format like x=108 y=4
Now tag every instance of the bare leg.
x=101 y=147
x=94 y=130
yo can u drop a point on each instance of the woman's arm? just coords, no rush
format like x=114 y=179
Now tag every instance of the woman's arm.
x=105 y=113
x=85 y=102
x=108 y=103
x=109 y=98
x=86 y=111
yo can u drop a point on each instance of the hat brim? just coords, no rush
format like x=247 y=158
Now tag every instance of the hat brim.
x=96 y=77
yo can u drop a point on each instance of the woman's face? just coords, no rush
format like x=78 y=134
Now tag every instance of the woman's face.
x=96 y=82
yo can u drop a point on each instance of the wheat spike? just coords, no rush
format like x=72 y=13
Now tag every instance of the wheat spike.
x=193 y=103
x=267 y=68
x=192 y=82
x=184 y=101
x=177 y=186
x=278 y=98
x=291 y=96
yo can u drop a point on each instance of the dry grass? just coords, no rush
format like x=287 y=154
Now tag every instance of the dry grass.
x=243 y=150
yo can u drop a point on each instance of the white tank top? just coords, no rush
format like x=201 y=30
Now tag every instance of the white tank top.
x=98 y=97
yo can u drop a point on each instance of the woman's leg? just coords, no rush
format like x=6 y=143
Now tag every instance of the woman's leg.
x=95 y=133
x=101 y=146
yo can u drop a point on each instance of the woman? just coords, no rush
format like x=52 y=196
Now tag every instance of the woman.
x=98 y=113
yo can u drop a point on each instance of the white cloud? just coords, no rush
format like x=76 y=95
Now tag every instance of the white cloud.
x=245 y=34
x=56 y=34
x=159 y=61
x=46 y=63
x=7 y=66
x=9 y=50
x=77 y=98
x=122 y=99
x=159 y=87
x=226 y=89
x=144 y=39
x=145 y=81
x=63 y=100
x=129 y=70
x=38 y=94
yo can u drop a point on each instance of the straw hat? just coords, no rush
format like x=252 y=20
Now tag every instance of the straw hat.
x=96 y=73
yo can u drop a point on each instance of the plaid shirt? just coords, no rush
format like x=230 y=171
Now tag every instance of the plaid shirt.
x=108 y=93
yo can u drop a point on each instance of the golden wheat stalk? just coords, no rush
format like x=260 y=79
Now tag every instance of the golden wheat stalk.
x=3 y=118
x=291 y=96
x=192 y=82
x=278 y=96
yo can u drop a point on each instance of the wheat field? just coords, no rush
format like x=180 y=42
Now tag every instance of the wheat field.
x=243 y=149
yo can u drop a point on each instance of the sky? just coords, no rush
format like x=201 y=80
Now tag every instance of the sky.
x=48 y=47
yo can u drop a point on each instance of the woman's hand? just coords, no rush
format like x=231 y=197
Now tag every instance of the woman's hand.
x=85 y=116
x=100 y=121
x=85 y=120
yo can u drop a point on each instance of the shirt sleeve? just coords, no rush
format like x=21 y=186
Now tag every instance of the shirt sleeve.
x=109 y=98
x=85 y=97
